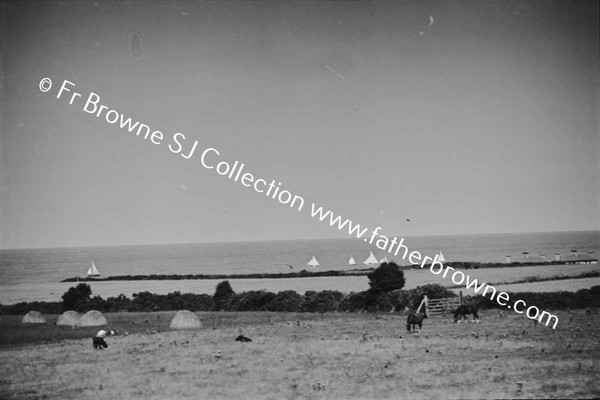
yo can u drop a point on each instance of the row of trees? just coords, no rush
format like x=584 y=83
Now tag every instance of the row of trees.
x=325 y=301
x=225 y=299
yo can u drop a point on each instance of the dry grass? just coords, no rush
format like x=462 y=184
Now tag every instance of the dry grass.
x=343 y=356
x=569 y=285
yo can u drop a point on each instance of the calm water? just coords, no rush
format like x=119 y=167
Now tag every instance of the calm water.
x=52 y=265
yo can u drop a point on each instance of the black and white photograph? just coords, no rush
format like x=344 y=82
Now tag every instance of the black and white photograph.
x=245 y=199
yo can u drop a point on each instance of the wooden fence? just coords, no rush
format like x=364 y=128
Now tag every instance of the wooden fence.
x=441 y=306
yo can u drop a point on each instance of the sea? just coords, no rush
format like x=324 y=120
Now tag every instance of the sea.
x=25 y=270
x=55 y=264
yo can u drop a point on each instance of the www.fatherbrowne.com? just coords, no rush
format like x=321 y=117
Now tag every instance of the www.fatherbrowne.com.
x=397 y=247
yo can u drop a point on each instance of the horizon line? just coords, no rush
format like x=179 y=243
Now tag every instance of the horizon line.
x=288 y=240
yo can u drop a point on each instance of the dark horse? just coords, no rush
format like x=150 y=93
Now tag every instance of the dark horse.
x=415 y=319
x=465 y=310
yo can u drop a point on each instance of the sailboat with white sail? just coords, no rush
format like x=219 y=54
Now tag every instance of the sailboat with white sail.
x=313 y=262
x=93 y=271
x=351 y=261
x=441 y=257
x=371 y=260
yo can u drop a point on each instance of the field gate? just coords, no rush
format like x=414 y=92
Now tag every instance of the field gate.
x=440 y=306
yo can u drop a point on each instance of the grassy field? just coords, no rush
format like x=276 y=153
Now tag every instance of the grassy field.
x=304 y=356
x=569 y=285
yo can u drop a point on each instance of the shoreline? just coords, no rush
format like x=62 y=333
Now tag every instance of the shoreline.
x=53 y=291
x=463 y=265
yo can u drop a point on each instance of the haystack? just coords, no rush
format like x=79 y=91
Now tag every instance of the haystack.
x=33 y=317
x=68 y=318
x=92 y=318
x=185 y=320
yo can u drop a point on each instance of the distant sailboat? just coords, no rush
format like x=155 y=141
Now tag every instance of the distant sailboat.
x=313 y=262
x=93 y=271
x=371 y=260
x=441 y=257
x=351 y=261
x=384 y=260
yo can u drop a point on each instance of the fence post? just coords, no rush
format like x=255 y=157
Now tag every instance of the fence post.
x=461 y=298
x=424 y=302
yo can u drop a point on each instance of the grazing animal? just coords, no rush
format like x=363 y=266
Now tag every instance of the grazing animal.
x=242 y=338
x=465 y=310
x=415 y=319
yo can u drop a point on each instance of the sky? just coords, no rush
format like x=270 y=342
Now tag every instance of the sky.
x=421 y=117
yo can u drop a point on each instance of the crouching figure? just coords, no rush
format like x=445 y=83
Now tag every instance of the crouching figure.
x=99 y=342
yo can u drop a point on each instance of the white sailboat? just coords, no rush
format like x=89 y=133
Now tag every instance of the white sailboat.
x=313 y=262
x=351 y=261
x=384 y=260
x=441 y=257
x=371 y=260
x=93 y=271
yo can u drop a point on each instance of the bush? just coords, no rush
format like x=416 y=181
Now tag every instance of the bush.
x=309 y=298
x=116 y=304
x=202 y=302
x=77 y=298
x=434 y=291
x=325 y=301
x=287 y=300
x=382 y=302
x=223 y=294
x=353 y=302
x=372 y=299
x=96 y=303
x=387 y=277
x=399 y=300
x=144 y=301
x=254 y=300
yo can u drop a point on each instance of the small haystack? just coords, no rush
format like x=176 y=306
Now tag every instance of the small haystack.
x=185 y=320
x=68 y=318
x=33 y=317
x=92 y=318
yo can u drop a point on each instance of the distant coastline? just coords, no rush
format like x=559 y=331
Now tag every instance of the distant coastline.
x=304 y=273
x=174 y=277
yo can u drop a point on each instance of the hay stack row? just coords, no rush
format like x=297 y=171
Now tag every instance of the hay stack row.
x=68 y=318
x=182 y=320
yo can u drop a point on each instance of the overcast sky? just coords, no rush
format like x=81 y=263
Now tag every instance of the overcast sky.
x=459 y=116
